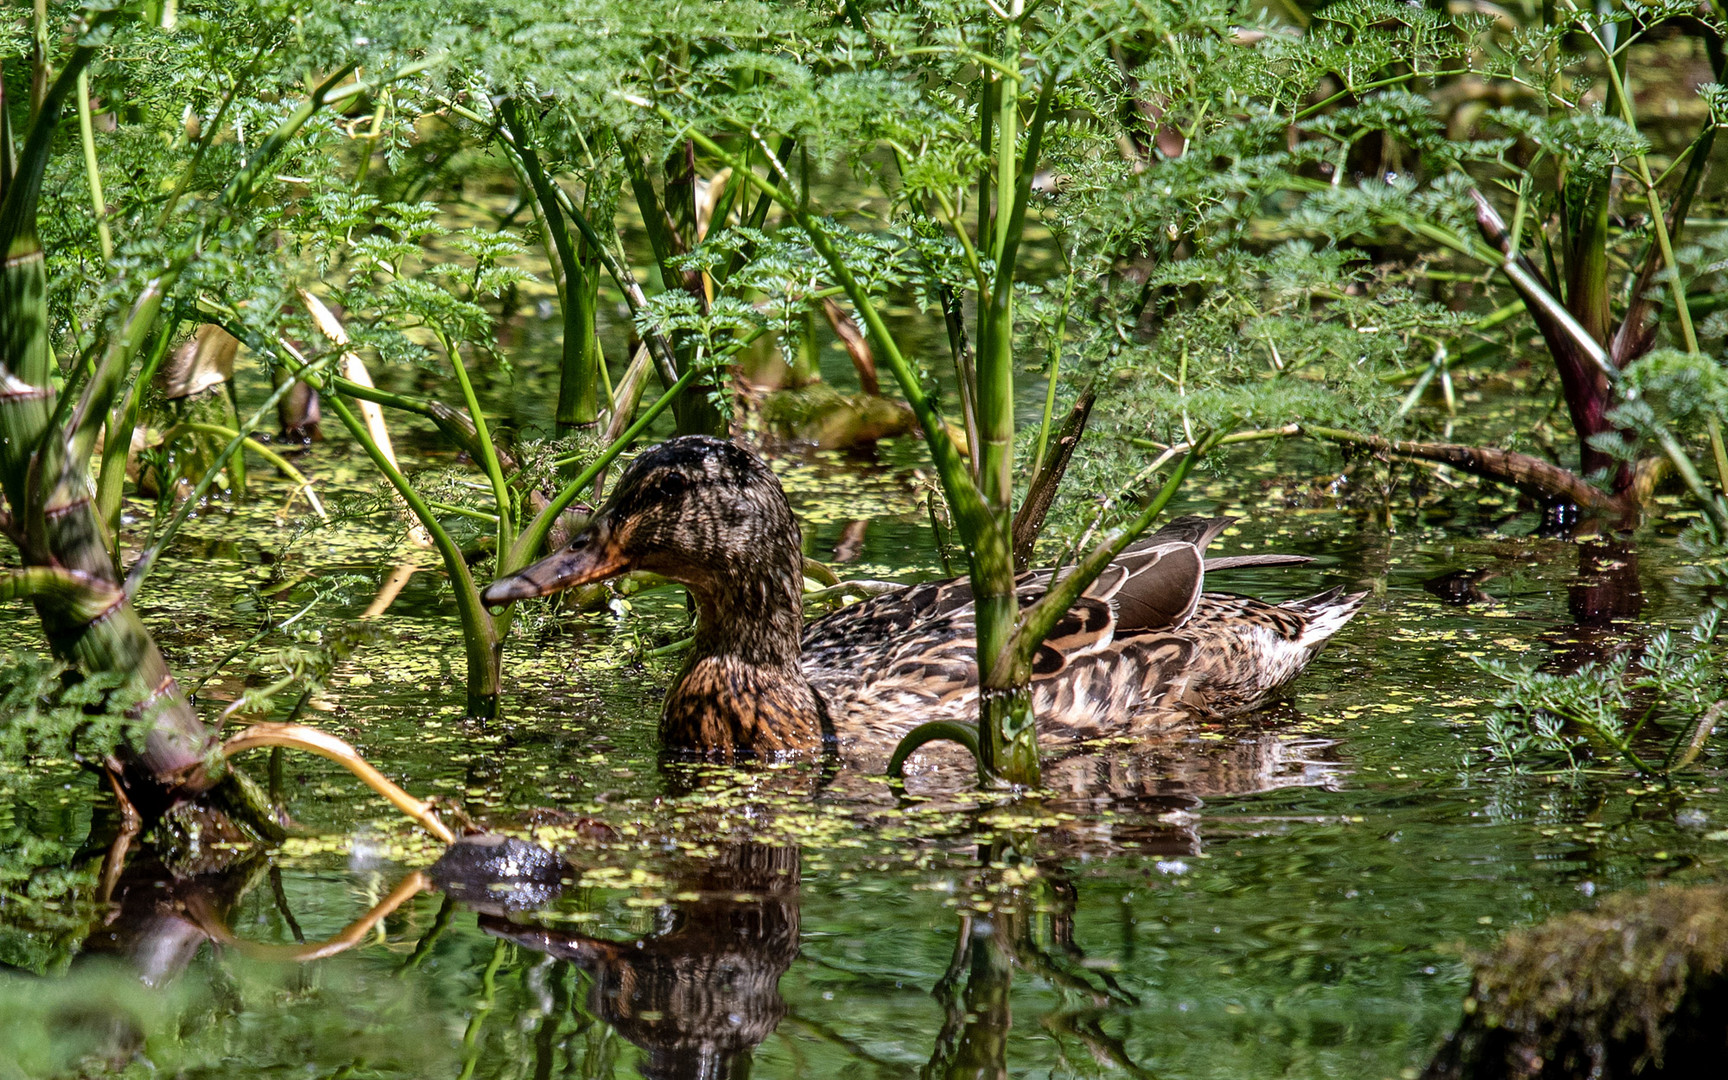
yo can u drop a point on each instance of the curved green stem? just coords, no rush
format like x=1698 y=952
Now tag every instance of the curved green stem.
x=483 y=439
x=480 y=637
x=935 y=731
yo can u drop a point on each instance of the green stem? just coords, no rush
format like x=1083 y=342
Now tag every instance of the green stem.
x=934 y=731
x=580 y=287
x=1621 y=746
x=463 y=511
x=480 y=635
x=87 y=136
x=483 y=440
x=1378 y=84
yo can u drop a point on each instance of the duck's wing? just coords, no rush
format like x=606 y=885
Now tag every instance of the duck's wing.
x=1151 y=586
x=1155 y=584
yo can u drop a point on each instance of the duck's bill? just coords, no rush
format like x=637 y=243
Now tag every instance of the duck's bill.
x=578 y=564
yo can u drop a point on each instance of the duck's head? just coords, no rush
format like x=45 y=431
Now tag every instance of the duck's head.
x=694 y=509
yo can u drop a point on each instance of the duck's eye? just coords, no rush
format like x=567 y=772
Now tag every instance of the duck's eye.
x=673 y=483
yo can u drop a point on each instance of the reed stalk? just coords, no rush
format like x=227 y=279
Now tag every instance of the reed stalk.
x=579 y=292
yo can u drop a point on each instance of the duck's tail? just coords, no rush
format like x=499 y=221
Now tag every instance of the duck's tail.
x=1325 y=614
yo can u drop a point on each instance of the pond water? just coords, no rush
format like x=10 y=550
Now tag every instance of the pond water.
x=1294 y=894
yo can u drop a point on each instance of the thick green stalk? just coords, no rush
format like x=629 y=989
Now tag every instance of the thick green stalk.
x=26 y=364
x=481 y=637
x=1007 y=133
x=995 y=391
x=577 y=400
x=1007 y=730
x=578 y=378
x=1008 y=733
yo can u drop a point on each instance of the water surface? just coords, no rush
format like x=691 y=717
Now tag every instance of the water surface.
x=1292 y=895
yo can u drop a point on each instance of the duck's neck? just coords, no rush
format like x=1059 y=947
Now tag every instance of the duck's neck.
x=742 y=692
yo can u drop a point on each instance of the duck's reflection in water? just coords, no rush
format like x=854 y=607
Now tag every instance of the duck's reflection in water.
x=702 y=993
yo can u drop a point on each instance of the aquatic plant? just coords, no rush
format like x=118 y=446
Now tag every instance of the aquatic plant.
x=1674 y=685
x=1666 y=694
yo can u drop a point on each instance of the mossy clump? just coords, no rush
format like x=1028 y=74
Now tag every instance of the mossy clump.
x=1637 y=987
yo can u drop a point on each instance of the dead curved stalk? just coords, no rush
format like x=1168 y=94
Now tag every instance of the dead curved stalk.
x=1541 y=480
x=1531 y=475
x=324 y=744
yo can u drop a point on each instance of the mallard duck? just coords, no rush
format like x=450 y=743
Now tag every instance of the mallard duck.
x=1143 y=649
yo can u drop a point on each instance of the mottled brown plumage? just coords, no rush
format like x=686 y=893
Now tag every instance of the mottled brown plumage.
x=1144 y=647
